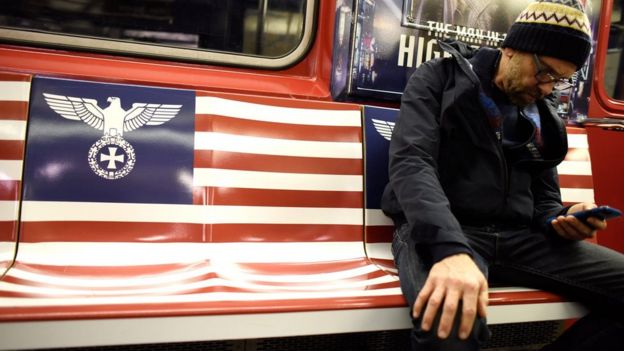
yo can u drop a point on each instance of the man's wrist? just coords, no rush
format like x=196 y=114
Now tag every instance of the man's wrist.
x=442 y=251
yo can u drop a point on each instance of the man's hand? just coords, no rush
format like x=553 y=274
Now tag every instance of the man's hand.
x=571 y=228
x=455 y=278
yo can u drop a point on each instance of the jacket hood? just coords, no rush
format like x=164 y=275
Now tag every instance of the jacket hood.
x=554 y=133
x=462 y=53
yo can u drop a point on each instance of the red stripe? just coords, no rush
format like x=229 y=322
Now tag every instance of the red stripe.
x=198 y=308
x=272 y=163
x=575 y=130
x=576 y=181
x=282 y=102
x=15 y=77
x=10 y=190
x=110 y=272
x=233 y=233
x=523 y=297
x=4 y=265
x=287 y=286
x=302 y=268
x=14 y=110
x=111 y=232
x=199 y=195
x=379 y=234
x=11 y=150
x=239 y=126
x=183 y=232
x=384 y=264
x=8 y=231
x=284 y=198
x=124 y=286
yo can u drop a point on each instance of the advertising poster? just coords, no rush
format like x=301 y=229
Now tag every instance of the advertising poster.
x=391 y=38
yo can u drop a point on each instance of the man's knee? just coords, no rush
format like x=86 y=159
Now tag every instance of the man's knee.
x=429 y=340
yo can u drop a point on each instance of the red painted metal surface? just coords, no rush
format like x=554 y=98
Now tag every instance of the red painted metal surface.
x=308 y=79
x=601 y=105
x=606 y=150
x=606 y=144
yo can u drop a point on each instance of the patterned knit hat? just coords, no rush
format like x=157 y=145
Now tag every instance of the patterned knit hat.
x=556 y=28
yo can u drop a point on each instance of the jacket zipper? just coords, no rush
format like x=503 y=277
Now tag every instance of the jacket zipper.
x=504 y=169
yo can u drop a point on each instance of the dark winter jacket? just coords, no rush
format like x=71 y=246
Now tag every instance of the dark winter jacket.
x=448 y=168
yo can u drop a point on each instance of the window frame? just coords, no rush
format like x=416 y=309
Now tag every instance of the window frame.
x=156 y=51
x=601 y=104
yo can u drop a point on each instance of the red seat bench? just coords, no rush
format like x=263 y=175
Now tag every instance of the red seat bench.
x=271 y=243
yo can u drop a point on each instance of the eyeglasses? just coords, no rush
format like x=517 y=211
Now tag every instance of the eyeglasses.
x=543 y=76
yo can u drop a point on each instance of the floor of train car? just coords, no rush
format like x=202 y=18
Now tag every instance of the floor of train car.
x=505 y=337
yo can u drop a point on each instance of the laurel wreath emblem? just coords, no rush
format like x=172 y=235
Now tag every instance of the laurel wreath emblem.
x=107 y=141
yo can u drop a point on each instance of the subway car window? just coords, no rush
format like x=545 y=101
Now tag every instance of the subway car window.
x=614 y=69
x=191 y=29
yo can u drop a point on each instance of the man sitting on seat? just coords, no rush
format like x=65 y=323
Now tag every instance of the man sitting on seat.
x=473 y=188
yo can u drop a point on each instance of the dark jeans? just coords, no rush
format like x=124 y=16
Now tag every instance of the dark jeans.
x=582 y=271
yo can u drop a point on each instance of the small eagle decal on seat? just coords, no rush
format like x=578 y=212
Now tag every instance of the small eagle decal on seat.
x=383 y=127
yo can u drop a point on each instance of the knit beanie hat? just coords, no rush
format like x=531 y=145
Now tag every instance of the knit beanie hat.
x=556 y=28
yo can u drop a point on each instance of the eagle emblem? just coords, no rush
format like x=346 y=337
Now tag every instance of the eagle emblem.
x=111 y=157
x=383 y=127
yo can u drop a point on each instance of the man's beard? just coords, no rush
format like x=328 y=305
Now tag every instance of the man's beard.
x=520 y=95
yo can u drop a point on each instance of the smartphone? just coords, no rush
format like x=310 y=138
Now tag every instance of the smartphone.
x=600 y=212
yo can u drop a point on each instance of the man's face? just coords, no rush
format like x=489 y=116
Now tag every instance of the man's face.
x=531 y=77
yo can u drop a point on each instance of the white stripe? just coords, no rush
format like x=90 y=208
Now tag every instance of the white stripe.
x=192 y=298
x=139 y=280
x=14 y=91
x=279 y=147
x=106 y=254
x=377 y=217
x=575 y=168
x=272 y=180
x=11 y=169
x=9 y=210
x=267 y=113
x=379 y=250
x=48 y=334
x=7 y=251
x=12 y=130
x=229 y=271
x=358 y=283
x=577 y=195
x=519 y=313
x=35 y=211
x=578 y=141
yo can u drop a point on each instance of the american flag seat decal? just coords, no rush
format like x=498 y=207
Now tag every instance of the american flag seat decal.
x=274 y=222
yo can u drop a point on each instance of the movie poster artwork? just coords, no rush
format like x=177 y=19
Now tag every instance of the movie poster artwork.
x=391 y=38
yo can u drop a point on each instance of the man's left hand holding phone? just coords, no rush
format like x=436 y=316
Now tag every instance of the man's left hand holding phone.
x=570 y=227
